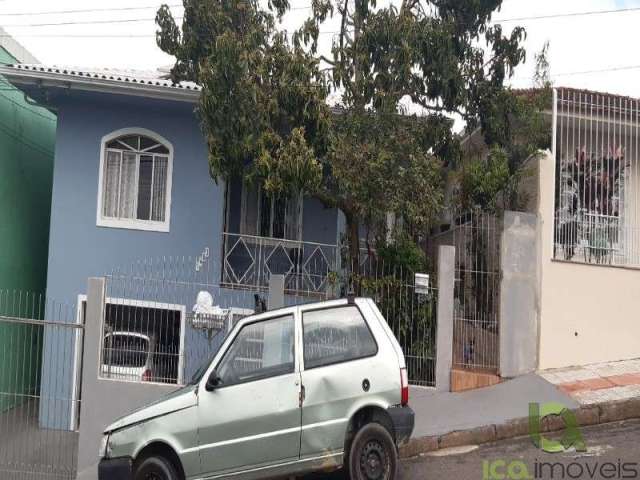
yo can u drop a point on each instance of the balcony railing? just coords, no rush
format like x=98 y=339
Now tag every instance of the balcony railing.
x=307 y=267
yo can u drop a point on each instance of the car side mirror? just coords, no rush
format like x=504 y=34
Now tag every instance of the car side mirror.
x=212 y=382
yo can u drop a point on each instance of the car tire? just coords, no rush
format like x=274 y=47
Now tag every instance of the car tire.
x=155 y=468
x=373 y=454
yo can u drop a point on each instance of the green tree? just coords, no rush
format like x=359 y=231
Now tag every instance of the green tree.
x=264 y=112
x=517 y=128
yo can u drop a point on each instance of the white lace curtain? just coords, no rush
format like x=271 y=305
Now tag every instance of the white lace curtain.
x=134 y=185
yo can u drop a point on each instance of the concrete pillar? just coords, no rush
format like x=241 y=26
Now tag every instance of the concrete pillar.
x=444 y=331
x=90 y=431
x=276 y=292
x=519 y=295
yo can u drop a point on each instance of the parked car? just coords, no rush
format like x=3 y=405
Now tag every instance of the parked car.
x=129 y=356
x=295 y=390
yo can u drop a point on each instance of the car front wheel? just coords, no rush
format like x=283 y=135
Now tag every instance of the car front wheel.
x=155 y=468
x=373 y=454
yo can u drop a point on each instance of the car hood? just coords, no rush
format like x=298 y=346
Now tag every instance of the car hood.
x=179 y=400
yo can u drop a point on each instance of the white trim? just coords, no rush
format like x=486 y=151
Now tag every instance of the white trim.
x=554 y=146
x=82 y=298
x=19 y=76
x=130 y=223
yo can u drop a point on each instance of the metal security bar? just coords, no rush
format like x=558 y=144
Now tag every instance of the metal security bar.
x=597 y=179
x=164 y=317
x=410 y=312
x=476 y=326
x=250 y=260
x=40 y=364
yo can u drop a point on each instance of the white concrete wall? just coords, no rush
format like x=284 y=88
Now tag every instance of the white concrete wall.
x=588 y=313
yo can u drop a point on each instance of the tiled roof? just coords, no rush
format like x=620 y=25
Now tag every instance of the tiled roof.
x=151 y=78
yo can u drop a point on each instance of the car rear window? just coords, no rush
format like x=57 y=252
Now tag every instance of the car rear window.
x=125 y=351
x=335 y=335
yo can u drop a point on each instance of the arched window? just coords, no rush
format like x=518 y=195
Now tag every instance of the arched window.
x=135 y=181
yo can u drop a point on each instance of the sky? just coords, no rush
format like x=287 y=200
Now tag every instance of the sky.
x=581 y=46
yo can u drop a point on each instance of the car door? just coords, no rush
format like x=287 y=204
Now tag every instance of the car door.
x=252 y=418
x=337 y=358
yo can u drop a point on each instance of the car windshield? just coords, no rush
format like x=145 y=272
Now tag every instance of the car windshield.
x=126 y=351
x=202 y=369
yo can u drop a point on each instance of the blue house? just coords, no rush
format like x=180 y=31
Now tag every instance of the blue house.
x=133 y=199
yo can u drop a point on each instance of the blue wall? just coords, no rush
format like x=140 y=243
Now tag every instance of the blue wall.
x=79 y=249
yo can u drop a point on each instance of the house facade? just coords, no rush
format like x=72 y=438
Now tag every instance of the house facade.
x=133 y=200
x=568 y=262
x=27 y=139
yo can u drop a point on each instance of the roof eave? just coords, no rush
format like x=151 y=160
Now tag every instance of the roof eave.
x=48 y=79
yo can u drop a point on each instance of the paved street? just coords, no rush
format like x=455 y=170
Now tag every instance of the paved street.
x=618 y=444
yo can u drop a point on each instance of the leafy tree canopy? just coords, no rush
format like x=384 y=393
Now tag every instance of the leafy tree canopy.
x=264 y=111
x=517 y=130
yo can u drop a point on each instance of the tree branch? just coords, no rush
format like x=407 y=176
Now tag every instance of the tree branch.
x=325 y=59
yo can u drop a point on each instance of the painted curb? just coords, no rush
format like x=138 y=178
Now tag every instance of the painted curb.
x=586 y=415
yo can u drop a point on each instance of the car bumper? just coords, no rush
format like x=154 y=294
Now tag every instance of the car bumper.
x=403 y=420
x=115 y=469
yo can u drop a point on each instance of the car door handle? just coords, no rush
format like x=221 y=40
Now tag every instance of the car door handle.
x=301 y=395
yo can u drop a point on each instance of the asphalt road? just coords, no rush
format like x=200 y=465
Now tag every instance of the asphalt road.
x=613 y=452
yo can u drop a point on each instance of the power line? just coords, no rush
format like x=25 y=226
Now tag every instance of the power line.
x=83 y=22
x=571 y=14
x=84 y=10
x=498 y=20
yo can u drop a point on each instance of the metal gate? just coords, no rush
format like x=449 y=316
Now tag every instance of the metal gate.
x=476 y=327
x=476 y=236
x=40 y=365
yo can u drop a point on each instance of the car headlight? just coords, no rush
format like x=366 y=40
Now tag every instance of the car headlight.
x=105 y=447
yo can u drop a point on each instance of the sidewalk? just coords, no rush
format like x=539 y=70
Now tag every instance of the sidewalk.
x=596 y=393
x=593 y=384
x=438 y=413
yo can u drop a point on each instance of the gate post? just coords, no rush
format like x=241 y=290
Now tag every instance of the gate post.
x=444 y=330
x=90 y=428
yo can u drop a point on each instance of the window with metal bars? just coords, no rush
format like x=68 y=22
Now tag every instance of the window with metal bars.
x=597 y=178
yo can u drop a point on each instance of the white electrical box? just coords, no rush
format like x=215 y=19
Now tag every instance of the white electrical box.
x=422 y=283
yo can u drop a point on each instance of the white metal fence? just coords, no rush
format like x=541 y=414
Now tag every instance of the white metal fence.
x=165 y=316
x=40 y=361
x=250 y=260
x=597 y=178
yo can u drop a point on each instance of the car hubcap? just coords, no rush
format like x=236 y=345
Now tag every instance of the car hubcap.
x=373 y=461
x=152 y=476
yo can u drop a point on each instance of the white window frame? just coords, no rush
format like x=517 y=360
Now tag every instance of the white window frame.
x=77 y=360
x=133 y=223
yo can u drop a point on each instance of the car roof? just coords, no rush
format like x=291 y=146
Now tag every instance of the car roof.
x=290 y=309
x=130 y=334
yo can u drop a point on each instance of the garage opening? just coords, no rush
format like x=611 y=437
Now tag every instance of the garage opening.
x=143 y=342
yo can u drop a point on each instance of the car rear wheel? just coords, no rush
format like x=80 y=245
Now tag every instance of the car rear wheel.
x=155 y=468
x=373 y=454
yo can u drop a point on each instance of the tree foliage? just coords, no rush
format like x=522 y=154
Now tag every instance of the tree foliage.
x=263 y=107
x=264 y=111
x=517 y=129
